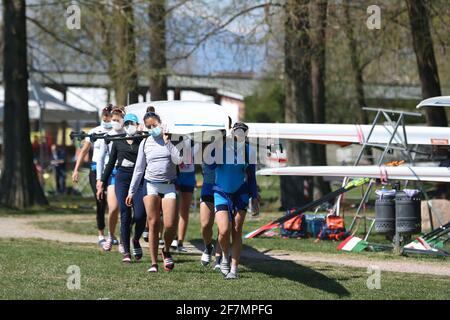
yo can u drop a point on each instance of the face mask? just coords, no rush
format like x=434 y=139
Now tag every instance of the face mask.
x=107 y=125
x=116 y=125
x=239 y=134
x=130 y=130
x=155 y=132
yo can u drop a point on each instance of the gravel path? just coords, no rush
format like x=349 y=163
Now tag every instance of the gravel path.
x=22 y=227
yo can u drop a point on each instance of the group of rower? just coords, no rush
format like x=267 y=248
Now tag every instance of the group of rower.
x=142 y=177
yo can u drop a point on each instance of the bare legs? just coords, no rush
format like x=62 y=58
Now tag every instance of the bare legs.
x=185 y=204
x=153 y=205
x=113 y=210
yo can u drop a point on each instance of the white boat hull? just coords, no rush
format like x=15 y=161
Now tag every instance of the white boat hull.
x=346 y=134
x=435 y=174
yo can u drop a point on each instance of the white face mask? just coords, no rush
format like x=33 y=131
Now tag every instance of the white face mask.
x=130 y=129
x=116 y=125
x=106 y=125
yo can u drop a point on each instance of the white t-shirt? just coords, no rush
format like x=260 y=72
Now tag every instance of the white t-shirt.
x=97 y=143
x=104 y=151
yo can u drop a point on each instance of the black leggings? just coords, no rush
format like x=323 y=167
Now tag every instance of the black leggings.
x=123 y=180
x=101 y=204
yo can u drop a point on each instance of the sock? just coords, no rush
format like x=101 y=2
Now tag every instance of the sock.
x=180 y=243
x=209 y=247
x=101 y=237
x=224 y=259
x=233 y=269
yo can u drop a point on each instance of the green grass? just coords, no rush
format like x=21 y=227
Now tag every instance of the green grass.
x=34 y=269
x=88 y=227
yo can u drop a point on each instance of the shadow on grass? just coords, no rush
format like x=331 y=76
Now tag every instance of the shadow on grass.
x=263 y=263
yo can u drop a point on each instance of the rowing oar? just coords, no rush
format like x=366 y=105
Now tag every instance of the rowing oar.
x=349 y=186
x=117 y=137
x=94 y=136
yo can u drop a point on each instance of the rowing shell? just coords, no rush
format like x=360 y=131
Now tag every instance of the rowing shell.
x=435 y=174
x=345 y=134
x=185 y=117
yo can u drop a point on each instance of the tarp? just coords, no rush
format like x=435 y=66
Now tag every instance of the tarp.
x=53 y=109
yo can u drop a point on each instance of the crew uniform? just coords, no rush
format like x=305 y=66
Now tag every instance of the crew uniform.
x=101 y=204
x=126 y=154
x=209 y=178
x=235 y=182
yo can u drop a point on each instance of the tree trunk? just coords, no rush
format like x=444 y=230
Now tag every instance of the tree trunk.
x=19 y=183
x=297 y=77
x=426 y=61
x=158 y=63
x=357 y=70
x=125 y=71
x=318 y=63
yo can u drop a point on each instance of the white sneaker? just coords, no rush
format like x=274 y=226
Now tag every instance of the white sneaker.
x=217 y=265
x=207 y=256
x=174 y=244
x=231 y=276
x=224 y=267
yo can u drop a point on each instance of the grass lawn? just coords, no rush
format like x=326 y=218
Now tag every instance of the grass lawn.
x=36 y=269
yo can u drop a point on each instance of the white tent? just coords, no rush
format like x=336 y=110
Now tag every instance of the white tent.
x=53 y=109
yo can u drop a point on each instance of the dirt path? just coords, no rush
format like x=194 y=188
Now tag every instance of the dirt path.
x=22 y=227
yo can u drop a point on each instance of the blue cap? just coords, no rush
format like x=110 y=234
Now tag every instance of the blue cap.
x=131 y=117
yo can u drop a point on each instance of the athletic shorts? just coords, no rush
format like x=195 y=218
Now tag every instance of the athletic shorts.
x=232 y=204
x=207 y=194
x=163 y=190
x=186 y=182
x=112 y=178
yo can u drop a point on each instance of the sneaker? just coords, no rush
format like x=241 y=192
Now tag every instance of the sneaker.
x=206 y=256
x=137 y=250
x=107 y=245
x=153 y=268
x=224 y=267
x=168 y=261
x=180 y=247
x=115 y=242
x=126 y=258
x=101 y=241
x=217 y=264
x=145 y=235
x=231 y=276
x=121 y=249
x=161 y=242
x=174 y=244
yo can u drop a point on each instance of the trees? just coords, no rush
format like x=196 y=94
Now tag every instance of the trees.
x=297 y=86
x=19 y=183
x=426 y=61
x=318 y=64
x=158 y=60
x=125 y=76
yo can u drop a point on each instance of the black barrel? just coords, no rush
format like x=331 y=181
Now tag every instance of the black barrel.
x=385 y=214
x=407 y=213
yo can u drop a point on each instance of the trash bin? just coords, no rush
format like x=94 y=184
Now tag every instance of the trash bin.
x=385 y=211
x=407 y=211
